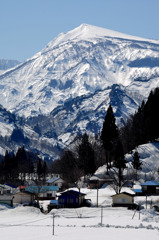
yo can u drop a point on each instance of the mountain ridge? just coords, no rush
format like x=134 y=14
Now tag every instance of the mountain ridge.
x=88 y=32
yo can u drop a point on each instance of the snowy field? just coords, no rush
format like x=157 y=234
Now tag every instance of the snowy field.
x=105 y=222
x=29 y=223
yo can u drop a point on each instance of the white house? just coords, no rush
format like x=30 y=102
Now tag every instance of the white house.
x=6 y=189
x=55 y=181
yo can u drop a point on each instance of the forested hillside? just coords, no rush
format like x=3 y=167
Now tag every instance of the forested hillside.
x=143 y=126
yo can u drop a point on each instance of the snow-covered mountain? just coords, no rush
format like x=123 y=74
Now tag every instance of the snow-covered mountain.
x=67 y=87
x=6 y=64
x=79 y=63
x=15 y=133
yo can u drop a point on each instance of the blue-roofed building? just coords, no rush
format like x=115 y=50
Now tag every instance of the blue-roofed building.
x=138 y=192
x=150 y=187
x=43 y=192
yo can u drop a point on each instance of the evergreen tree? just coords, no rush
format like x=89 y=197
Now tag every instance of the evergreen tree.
x=120 y=164
x=136 y=162
x=10 y=168
x=86 y=156
x=44 y=170
x=119 y=158
x=7 y=166
x=151 y=115
x=109 y=136
x=21 y=158
x=68 y=167
x=40 y=169
x=143 y=126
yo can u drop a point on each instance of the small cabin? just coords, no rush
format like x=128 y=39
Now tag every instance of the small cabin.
x=71 y=198
x=23 y=197
x=150 y=188
x=123 y=199
x=99 y=180
x=55 y=181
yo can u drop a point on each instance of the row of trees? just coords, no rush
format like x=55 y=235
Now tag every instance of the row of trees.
x=22 y=166
x=78 y=162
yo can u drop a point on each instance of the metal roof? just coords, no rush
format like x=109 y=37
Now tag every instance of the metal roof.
x=52 y=180
x=150 y=183
x=41 y=189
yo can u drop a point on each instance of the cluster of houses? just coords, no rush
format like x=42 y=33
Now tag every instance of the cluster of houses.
x=52 y=191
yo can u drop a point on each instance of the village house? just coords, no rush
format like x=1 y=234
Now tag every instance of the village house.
x=43 y=192
x=150 y=188
x=6 y=194
x=55 y=181
x=23 y=197
x=71 y=198
x=123 y=199
x=98 y=180
x=6 y=189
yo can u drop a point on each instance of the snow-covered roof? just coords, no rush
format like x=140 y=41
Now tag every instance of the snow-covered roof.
x=6 y=197
x=126 y=193
x=72 y=192
x=52 y=180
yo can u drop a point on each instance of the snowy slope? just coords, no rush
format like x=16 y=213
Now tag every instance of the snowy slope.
x=149 y=155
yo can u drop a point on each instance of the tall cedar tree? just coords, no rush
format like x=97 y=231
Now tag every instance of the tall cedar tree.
x=68 y=167
x=10 y=168
x=136 y=162
x=86 y=156
x=120 y=164
x=40 y=172
x=109 y=136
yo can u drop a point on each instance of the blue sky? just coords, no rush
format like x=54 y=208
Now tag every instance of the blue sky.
x=26 y=26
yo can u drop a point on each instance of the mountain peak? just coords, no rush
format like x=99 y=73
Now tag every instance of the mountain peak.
x=91 y=33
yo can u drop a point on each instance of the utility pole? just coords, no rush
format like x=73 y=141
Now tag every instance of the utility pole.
x=101 y=215
x=53 y=223
x=97 y=192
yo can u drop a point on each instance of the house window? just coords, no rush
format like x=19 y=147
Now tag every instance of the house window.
x=122 y=200
x=70 y=200
x=61 y=200
x=49 y=195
